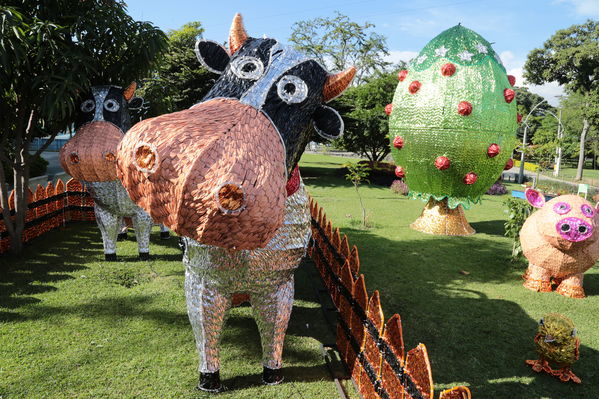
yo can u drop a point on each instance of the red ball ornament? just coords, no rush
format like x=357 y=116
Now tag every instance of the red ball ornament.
x=448 y=69
x=493 y=150
x=398 y=142
x=511 y=79
x=414 y=87
x=519 y=118
x=464 y=108
x=388 y=109
x=509 y=95
x=399 y=172
x=509 y=164
x=442 y=163
x=402 y=75
x=470 y=178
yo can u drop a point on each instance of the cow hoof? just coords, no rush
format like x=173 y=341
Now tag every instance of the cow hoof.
x=210 y=382
x=165 y=235
x=110 y=257
x=272 y=376
x=121 y=237
x=144 y=256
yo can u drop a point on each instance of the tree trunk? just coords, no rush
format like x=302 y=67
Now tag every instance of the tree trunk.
x=438 y=219
x=583 y=138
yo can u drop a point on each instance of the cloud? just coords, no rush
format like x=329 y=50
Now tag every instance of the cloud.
x=588 y=8
x=395 y=56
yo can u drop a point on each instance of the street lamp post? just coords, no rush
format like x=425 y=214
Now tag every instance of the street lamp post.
x=521 y=172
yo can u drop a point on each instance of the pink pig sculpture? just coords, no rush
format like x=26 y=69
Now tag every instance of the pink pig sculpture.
x=560 y=241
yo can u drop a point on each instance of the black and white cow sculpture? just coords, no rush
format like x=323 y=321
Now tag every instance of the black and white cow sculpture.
x=90 y=156
x=268 y=97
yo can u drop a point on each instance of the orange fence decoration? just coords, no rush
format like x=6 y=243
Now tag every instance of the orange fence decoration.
x=372 y=350
x=49 y=208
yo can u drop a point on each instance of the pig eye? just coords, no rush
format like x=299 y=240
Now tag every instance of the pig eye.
x=292 y=89
x=561 y=208
x=88 y=105
x=111 y=105
x=587 y=211
x=247 y=67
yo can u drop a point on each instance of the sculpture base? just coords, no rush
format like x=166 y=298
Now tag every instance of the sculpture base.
x=438 y=219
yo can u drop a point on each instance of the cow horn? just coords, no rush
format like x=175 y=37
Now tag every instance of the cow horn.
x=237 y=34
x=130 y=91
x=337 y=83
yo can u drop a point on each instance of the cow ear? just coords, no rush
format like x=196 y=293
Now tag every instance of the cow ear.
x=212 y=55
x=327 y=122
x=136 y=103
x=534 y=197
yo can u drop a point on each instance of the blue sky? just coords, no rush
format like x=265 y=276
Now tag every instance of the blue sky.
x=515 y=26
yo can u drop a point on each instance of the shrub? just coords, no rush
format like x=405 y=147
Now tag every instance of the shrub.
x=399 y=187
x=527 y=166
x=498 y=188
x=518 y=212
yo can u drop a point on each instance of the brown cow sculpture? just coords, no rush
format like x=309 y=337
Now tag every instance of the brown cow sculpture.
x=223 y=175
x=561 y=242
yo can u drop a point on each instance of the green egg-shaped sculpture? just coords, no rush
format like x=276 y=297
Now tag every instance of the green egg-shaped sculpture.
x=452 y=127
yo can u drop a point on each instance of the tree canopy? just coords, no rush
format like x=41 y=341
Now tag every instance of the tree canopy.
x=363 y=110
x=180 y=80
x=570 y=58
x=339 y=43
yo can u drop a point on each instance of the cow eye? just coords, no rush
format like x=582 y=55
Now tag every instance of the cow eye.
x=88 y=105
x=292 y=89
x=247 y=67
x=111 y=105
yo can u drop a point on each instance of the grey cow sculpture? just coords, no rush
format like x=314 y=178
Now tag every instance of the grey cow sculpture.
x=223 y=175
x=90 y=156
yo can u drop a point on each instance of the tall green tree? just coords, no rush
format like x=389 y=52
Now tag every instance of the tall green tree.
x=526 y=102
x=363 y=110
x=339 y=43
x=570 y=57
x=179 y=81
x=51 y=51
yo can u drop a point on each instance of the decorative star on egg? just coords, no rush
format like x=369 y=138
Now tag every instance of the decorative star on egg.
x=481 y=48
x=441 y=51
x=421 y=59
x=465 y=55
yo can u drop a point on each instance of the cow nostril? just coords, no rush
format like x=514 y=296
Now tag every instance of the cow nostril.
x=582 y=229
x=145 y=158
x=289 y=88
x=230 y=198
x=109 y=156
x=74 y=158
x=565 y=227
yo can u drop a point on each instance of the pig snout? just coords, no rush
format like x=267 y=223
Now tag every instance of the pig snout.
x=574 y=229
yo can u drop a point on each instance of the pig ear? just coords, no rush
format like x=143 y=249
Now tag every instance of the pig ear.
x=136 y=103
x=534 y=197
x=212 y=55
x=597 y=207
x=327 y=122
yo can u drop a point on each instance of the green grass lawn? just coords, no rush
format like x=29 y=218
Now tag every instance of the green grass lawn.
x=479 y=327
x=74 y=326
x=589 y=176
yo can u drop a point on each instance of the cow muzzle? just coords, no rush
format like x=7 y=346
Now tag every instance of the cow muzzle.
x=214 y=173
x=91 y=154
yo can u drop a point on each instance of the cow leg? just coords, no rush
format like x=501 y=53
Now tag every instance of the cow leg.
x=206 y=308
x=109 y=225
x=164 y=234
x=571 y=286
x=142 y=223
x=272 y=309
x=537 y=279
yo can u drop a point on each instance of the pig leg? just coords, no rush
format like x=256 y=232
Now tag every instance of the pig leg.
x=109 y=225
x=571 y=286
x=537 y=279
x=142 y=223
x=272 y=309
x=206 y=307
